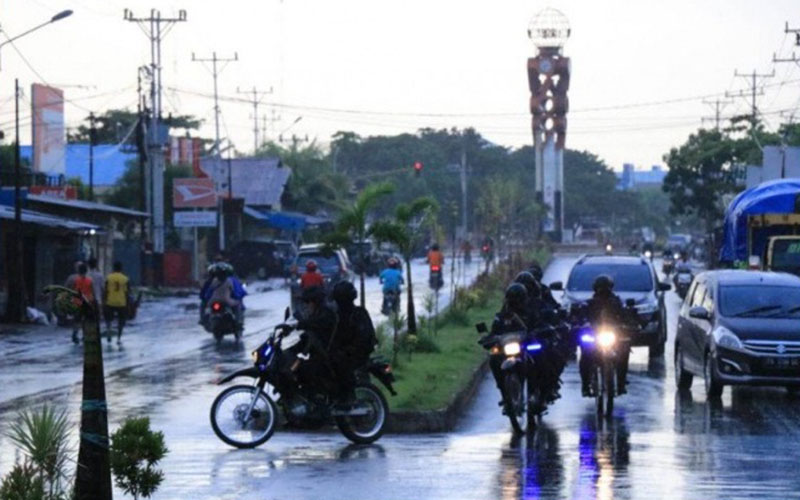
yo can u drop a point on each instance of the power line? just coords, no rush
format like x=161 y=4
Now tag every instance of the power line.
x=718 y=105
x=754 y=90
x=258 y=96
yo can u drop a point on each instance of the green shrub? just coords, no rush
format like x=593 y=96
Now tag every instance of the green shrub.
x=135 y=451
x=425 y=343
x=24 y=482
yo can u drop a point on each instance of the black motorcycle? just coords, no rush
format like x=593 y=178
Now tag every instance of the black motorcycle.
x=525 y=374
x=245 y=416
x=220 y=320
x=391 y=302
x=682 y=280
x=668 y=264
x=436 y=280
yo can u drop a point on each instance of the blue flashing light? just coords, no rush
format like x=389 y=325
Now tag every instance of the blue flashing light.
x=535 y=346
x=587 y=338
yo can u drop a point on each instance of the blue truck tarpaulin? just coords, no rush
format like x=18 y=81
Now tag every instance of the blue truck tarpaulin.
x=773 y=197
x=287 y=221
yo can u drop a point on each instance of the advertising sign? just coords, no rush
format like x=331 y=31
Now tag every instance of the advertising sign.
x=193 y=192
x=60 y=192
x=47 y=129
x=194 y=219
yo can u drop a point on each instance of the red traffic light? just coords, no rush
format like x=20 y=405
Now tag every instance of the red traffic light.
x=417 y=167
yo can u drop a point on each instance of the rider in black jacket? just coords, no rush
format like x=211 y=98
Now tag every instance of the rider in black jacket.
x=354 y=339
x=319 y=323
x=509 y=319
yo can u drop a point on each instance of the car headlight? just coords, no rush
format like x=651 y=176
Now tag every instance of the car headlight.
x=726 y=338
x=606 y=338
x=512 y=349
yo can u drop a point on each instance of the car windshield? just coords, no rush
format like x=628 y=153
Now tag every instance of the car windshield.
x=326 y=264
x=759 y=300
x=786 y=255
x=627 y=277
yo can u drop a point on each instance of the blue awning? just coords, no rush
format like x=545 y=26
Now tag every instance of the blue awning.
x=286 y=221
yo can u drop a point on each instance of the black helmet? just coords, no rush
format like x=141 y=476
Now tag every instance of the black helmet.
x=435 y=247
x=603 y=284
x=529 y=282
x=536 y=270
x=516 y=296
x=313 y=294
x=344 y=292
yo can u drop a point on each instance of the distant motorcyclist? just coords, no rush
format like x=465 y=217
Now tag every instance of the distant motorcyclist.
x=225 y=288
x=466 y=251
x=606 y=308
x=508 y=319
x=312 y=277
x=353 y=341
x=391 y=278
x=436 y=263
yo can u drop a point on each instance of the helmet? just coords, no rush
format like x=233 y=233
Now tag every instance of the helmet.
x=311 y=265
x=313 y=294
x=603 y=284
x=516 y=296
x=536 y=270
x=532 y=286
x=394 y=263
x=435 y=247
x=344 y=292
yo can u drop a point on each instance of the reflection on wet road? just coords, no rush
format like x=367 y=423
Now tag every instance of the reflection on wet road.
x=657 y=445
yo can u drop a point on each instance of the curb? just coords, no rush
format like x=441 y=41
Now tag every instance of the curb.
x=445 y=420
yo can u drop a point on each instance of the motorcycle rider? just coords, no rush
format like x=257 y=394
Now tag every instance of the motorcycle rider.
x=225 y=288
x=547 y=295
x=353 y=341
x=509 y=319
x=312 y=277
x=319 y=324
x=605 y=307
x=391 y=278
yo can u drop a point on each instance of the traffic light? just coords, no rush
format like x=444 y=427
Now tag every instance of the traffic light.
x=417 y=168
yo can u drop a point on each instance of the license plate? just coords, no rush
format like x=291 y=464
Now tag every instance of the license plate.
x=782 y=363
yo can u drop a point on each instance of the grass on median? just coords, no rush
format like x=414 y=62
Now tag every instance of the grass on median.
x=430 y=380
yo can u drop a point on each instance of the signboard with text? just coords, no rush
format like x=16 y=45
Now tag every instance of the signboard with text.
x=194 y=219
x=60 y=192
x=193 y=192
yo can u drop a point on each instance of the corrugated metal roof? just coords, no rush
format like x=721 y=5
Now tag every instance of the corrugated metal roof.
x=85 y=205
x=260 y=181
x=31 y=217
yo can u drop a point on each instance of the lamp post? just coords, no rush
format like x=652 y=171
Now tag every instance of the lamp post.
x=15 y=306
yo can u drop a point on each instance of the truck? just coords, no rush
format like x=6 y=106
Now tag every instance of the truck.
x=762 y=228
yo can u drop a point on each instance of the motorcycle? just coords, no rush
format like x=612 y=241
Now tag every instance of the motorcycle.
x=391 y=302
x=220 y=320
x=668 y=265
x=524 y=375
x=682 y=280
x=435 y=280
x=245 y=416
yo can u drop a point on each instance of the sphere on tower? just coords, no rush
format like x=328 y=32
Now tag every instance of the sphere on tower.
x=549 y=29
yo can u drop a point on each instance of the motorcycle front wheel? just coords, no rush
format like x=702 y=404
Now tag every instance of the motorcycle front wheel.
x=369 y=427
x=243 y=416
x=516 y=395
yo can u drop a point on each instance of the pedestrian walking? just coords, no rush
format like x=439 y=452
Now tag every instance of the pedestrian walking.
x=116 y=301
x=98 y=281
x=82 y=284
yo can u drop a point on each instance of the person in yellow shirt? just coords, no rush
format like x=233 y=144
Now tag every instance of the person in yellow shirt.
x=116 y=300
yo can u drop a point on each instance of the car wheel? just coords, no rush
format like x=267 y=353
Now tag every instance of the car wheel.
x=683 y=378
x=713 y=386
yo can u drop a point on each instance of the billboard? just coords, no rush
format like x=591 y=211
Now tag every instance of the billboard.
x=47 y=129
x=60 y=192
x=193 y=192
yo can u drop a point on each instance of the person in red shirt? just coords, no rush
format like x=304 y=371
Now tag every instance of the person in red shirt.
x=312 y=276
x=82 y=284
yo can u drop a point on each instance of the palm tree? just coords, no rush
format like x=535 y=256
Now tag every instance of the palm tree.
x=351 y=226
x=399 y=232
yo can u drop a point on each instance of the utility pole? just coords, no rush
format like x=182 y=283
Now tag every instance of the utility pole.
x=215 y=71
x=155 y=28
x=92 y=138
x=718 y=105
x=258 y=96
x=17 y=296
x=754 y=91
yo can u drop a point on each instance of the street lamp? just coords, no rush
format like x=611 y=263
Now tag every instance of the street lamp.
x=61 y=15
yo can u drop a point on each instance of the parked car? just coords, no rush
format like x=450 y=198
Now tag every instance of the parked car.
x=286 y=252
x=739 y=327
x=334 y=265
x=256 y=259
x=634 y=278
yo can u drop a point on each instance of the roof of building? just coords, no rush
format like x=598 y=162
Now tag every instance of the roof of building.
x=32 y=217
x=110 y=162
x=260 y=181
x=85 y=205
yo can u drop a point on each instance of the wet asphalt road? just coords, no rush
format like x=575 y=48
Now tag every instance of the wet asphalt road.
x=657 y=445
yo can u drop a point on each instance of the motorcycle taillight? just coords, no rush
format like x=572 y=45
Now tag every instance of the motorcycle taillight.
x=435 y=269
x=216 y=307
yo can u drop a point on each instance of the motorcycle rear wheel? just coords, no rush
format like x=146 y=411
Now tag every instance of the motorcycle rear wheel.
x=369 y=428
x=228 y=411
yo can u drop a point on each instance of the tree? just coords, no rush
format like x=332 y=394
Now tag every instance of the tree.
x=135 y=452
x=589 y=187
x=700 y=174
x=351 y=226
x=400 y=231
x=113 y=125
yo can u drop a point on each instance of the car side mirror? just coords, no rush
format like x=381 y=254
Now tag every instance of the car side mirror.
x=557 y=286
x=286 y=313
x=664 y=287
x=699 y=312
x=481 y=327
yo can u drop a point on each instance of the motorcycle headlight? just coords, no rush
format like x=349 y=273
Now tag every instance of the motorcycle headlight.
x=726 y=338
x=648 y=254
x=676 y=256
x=606 y=338
x=512 y=349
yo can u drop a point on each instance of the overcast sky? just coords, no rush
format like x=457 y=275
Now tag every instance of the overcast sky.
x=380 y=67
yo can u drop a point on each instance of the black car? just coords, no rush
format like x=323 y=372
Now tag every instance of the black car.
x=739 y=328
x=635 y=279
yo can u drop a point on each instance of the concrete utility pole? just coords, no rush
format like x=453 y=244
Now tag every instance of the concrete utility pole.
x=258 y=97
x=215 y=71
x=92 y=139
x=753 y=91
x=718 y=105
x=155 y=28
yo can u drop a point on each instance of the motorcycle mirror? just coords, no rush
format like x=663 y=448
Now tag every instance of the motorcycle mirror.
x=481 y=327
x=286 y=314
x=630 y=303
x=664 y=287
x=557 y=286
